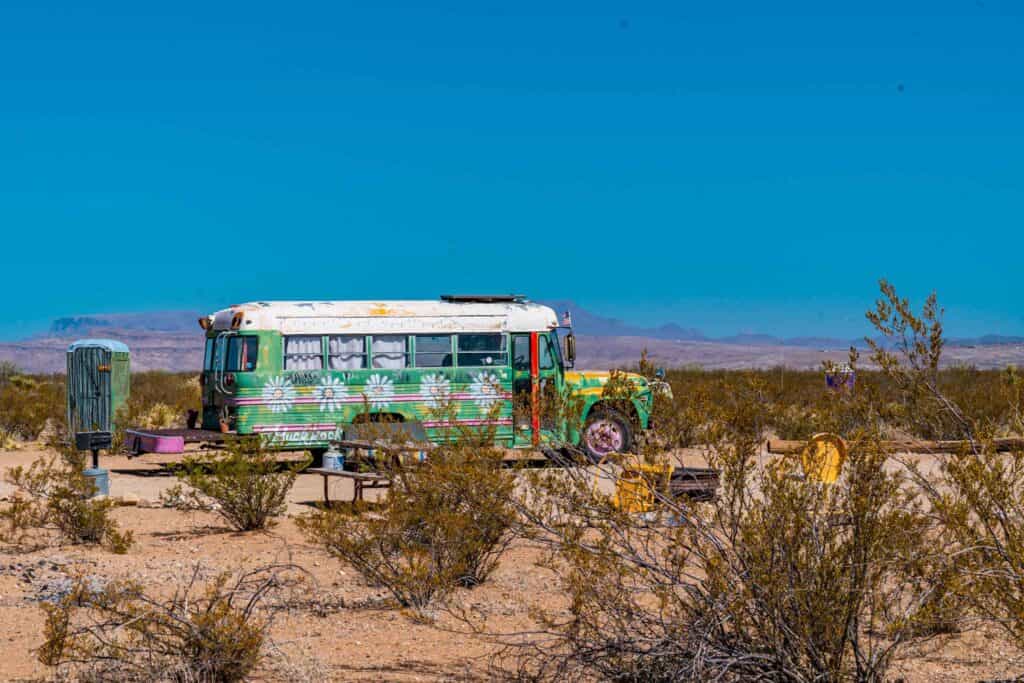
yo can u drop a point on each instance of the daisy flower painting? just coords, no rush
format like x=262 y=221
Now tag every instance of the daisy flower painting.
x=485 y=389
x=436 y=388
x=379 y=390
x=329 y=393
x=278 y=394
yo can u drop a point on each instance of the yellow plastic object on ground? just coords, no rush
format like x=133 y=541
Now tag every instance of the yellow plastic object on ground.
x=633 y=491
x=823 y=458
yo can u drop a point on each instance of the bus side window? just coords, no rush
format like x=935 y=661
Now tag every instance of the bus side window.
x=433 y=351
x=346 y=352
x=303 y=353
x=475 y=350
x=390 y=351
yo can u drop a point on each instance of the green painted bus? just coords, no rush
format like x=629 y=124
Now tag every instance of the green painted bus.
x=297 y=373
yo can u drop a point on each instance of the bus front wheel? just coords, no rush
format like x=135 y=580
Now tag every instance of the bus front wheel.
x=607 y=431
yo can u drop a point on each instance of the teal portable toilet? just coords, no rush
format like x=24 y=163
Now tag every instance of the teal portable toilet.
x=98 y=383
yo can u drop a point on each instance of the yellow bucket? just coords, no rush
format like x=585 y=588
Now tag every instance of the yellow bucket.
x=633 y=491
x=823 y=458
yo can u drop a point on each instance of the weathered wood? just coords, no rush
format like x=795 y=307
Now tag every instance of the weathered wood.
x=365 y=476
x=791 y=447
x=360 y=481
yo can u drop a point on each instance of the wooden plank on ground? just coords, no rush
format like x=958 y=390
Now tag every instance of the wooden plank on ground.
x=791 y=447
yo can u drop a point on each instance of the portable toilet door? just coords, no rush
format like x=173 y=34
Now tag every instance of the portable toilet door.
x=98 y=383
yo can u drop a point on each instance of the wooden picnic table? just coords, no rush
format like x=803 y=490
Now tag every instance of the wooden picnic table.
x=360 y=481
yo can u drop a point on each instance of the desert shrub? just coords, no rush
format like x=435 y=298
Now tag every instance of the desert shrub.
x=979 y=499
x=245 y=481
x=204 y=633
x=978 y=494
x=157 y=400
x=8 y=369
x=159 y=416
x=60 y=499
x=781 y=578
x=444 y=524
x=28 y=404
x=676 y=418
x=176 y=390
x=800 y=403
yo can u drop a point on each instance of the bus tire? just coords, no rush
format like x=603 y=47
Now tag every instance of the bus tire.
x=606 y=431
x=318 y=456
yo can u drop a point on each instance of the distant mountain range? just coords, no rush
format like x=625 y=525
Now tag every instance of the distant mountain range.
x=172 y=340
x=155 y=321
x=587 y=323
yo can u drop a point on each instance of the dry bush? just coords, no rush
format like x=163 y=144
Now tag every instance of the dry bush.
x=979 y=499
x=444 y=524
x=159 y=416
x=8 y=370
x=176 y=390
x=158 y=400
x=781 y=578
x=60 y=500
x=800 y=403
x=245 y=481
x=203 y=633
x=978 y=494
x=28 y=404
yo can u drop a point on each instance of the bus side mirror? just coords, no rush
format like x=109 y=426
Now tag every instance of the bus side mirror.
x=570 y=349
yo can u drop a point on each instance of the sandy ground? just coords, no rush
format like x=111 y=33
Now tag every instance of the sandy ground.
x=357 y=639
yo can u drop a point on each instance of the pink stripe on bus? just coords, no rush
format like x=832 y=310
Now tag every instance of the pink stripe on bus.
x=399 y=398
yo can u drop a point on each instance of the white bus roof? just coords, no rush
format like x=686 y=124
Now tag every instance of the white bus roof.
x=386 y=317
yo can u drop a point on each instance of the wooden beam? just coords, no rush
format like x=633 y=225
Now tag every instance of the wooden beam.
x=790 y=447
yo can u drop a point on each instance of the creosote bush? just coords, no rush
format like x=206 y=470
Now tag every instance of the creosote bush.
x=59 y=499
x=444 y=524
x=212 y=632
x=158 y=400
x=781 y=578
x=28 y=404
x=978 y=494
x=245 y=481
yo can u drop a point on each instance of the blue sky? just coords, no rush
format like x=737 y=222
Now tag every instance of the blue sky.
x=717 y=165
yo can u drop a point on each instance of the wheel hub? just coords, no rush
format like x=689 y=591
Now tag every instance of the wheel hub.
x=604 y=436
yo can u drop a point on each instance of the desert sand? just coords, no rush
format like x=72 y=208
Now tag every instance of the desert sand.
x=357 y=637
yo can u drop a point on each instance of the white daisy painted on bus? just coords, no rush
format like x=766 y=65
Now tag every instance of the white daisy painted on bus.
x=278 y=394
x=379 y=390
x=485 y=389
x=436 y=388
x=329 y=394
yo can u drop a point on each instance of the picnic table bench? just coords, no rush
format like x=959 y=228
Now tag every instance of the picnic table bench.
x=405 y=438
x=360 y=481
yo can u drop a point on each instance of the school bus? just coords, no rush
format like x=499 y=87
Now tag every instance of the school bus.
x=297 y=373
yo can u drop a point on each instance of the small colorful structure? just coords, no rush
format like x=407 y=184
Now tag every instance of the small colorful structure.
x=840 y=377
x=98 y=384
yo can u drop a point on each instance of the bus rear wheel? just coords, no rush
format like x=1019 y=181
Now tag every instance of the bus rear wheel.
x=606 y=431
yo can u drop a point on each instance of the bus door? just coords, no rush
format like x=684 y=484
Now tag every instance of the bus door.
x=535 y=378
x=213 y=389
